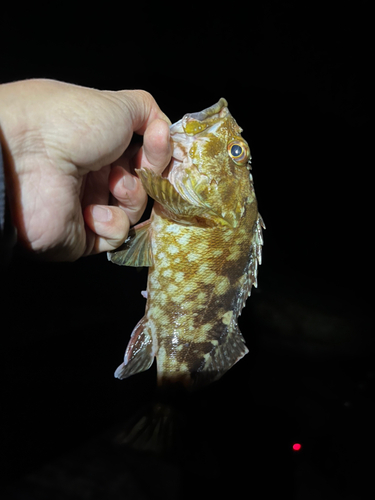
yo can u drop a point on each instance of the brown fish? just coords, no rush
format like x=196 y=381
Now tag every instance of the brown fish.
x=202 y=245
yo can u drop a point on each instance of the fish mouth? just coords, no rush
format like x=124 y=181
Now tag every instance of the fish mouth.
x=211 y=114
x=182 y=139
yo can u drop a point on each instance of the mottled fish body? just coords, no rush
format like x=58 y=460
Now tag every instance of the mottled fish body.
x=202 y=245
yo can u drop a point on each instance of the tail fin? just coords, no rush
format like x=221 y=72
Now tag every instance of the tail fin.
x=139 y=354
x=154 y=428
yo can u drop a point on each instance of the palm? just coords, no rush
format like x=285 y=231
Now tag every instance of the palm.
x=69 y=154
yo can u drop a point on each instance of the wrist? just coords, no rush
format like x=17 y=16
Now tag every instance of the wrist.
x=2 y=193
x=7 y=170
x=13 y=121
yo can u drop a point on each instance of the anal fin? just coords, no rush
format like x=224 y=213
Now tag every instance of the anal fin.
x=229 y=350
x=139 y=354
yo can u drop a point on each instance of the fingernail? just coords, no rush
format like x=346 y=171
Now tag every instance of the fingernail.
x=129 y=182
x=101 y=214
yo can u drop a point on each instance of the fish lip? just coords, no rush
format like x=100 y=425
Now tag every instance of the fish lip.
x=209 y=112
x=220 y=109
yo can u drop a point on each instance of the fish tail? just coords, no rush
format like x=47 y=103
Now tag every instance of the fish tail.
x=153 y=428
x=139 y=354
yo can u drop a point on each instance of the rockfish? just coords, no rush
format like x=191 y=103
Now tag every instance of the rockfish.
x=202 y=245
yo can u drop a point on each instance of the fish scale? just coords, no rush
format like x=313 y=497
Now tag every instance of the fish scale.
x=202 y=245
x=195 y=309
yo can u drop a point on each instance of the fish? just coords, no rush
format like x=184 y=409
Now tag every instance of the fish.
x=202 y=245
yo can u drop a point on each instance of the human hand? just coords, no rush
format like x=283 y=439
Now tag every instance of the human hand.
x=66 y=153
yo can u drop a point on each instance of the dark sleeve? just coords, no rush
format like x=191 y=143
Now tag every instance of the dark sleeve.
x=2 y=194
x=7 y=231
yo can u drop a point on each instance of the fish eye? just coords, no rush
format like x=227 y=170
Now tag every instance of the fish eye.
x=236 y=151
x=239 y=152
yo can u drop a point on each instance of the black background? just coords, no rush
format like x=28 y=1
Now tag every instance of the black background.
x=296 y=77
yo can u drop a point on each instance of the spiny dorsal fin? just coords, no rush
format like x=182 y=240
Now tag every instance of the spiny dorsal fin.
x=136 y=251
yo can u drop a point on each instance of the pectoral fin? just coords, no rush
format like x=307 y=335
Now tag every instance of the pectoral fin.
x=163 y=191
x=136 y=251
x=139 y=355
x=188 y=196
x=200 y=191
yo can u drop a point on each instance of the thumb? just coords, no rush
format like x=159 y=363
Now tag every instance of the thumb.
x=142 y=108
x=148 y=120
x=156 y=151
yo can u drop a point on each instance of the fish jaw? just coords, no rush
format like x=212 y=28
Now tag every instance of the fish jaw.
x=206 y=118
x=193 y=128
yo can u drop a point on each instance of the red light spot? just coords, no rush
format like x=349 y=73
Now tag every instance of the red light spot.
x=296 y=446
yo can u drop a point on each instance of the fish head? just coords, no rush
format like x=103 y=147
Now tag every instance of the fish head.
x=211 y=158
x=208 y=136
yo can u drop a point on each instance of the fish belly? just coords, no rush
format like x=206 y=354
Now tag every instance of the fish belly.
x=192 y=309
